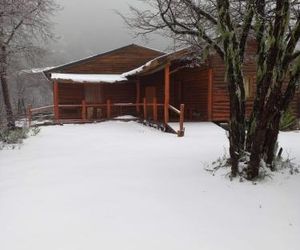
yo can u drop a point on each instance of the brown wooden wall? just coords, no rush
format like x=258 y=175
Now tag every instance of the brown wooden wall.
x=75 y=93
x=193 y=89
x=220 y=97
x=220 y=108
x=188 y=86
x=70 y=94
x=113 y=62
x=155 y=80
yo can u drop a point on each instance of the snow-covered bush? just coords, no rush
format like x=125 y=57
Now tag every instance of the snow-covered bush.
x=281 y=165
x=288 y=121
x=9 y=137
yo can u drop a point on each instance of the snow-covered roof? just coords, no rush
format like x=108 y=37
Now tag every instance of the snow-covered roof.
x=158 y=62
x=137 y=70
x=155 y=63
x=89 y=78
x=97 y=55
x=36 y=70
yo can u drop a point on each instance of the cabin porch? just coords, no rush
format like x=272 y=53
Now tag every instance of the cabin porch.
x=161 y=91
x=82 y=102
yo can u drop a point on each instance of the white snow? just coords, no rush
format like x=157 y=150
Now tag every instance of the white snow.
x=89 y=78
x=147 y=64
x=138 y=70
x=126 y=117
x=36 y=70
x=121 y=185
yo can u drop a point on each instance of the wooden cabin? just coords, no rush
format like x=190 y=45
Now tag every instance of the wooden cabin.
x=139 y=81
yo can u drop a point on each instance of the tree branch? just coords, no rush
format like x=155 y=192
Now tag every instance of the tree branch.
x=246 y=28
x=21 y=22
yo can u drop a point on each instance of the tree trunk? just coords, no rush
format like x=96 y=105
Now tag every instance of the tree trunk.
x=271 y=141
x=237 y=121
x=263 y=140
x=5 y=90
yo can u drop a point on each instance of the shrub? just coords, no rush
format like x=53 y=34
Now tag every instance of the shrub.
x=16 y=136
x=288 y=121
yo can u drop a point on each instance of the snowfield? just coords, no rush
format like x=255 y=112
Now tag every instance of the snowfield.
x=123 y=186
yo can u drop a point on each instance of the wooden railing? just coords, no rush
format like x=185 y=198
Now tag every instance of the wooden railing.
x=180 y=112
x=31 y=110
x=108 y=106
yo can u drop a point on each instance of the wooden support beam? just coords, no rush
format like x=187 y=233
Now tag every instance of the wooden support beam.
x=155 y=109
x=108 y=103
x=210 y=94
x=138 y=95
x=167 y=94
x=55 y=101
x=181 y=121
x=145 y=108
x=83 y=110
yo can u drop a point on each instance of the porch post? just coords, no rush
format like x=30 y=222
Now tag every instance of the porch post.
x=55 y=101
x=210 y=94
x=83 y=111
x=167 y=94
x=108 y=106
x=138 y=95
x=155 y=109
x=145 y=108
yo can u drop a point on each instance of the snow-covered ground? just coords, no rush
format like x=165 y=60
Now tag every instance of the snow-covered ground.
x=123 y=186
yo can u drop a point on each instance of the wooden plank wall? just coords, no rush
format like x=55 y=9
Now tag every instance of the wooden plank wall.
x=220 y=93
x=70 y=93
x=220 y=108
x=155 y=80
x=188 y=86
x=121 y=93
x=194 y=92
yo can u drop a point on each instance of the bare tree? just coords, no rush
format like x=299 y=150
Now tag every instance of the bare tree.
x=24 y=24
x=224 y=27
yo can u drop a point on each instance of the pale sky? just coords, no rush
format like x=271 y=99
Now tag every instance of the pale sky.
x=91 y=26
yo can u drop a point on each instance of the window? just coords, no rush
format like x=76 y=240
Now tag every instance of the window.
x=249 y=82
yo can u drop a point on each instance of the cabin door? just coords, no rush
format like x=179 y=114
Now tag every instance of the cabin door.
x=150 y=94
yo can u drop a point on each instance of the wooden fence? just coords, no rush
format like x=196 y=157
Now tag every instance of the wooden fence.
x=108 y=106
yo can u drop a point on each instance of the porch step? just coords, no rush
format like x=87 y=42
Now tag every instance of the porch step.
x=174 y=127
x=153 y=124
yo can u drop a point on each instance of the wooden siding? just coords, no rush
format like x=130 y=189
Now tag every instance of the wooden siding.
x=188 y=86
x=69 y=93
x=193 y=88
x=114 y=62
x=220 y=109
x=220 y=102
x=295 y=106
x=154 y=80
x=121 y=93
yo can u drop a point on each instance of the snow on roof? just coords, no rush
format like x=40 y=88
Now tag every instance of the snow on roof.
x=101 y=54
x=90 y=78
x=172 y=55
x=36 y=70
x=138 y=70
